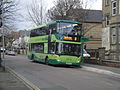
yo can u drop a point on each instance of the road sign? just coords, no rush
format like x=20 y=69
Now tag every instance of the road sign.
x=84 y=39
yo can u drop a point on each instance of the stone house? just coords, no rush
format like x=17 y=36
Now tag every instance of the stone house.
x=21 y=43
x=111 y=28
x=93 y=28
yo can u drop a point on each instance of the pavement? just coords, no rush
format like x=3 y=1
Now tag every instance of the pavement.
x=9 y=79
x=10 y=82
x=112 y=71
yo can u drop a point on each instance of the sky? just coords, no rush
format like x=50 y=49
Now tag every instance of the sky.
x=97 y=5
x=24 y=24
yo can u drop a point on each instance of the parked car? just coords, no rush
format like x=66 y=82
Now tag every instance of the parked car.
x=7 y=52
x=86 y=55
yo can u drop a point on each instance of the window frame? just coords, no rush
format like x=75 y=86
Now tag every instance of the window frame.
x=38 y=32
x=114 y=8
x=53 y=28
x=107 y=2
x=113 y=35
x=34 y=45
x=107 y=21
x=119 y=34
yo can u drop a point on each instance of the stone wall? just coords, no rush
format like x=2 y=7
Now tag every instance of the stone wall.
x=94 y=33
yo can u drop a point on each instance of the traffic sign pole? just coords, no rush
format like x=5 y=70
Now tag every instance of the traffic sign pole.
x=83 y=39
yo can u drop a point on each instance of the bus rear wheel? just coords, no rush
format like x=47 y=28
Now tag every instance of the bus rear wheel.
x=46 y=60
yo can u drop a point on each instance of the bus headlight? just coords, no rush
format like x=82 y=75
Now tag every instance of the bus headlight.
x=58 y=60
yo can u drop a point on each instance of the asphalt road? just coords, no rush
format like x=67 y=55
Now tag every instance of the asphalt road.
x=60 y=78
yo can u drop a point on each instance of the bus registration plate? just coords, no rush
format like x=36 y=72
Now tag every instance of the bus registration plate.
x=69 y=63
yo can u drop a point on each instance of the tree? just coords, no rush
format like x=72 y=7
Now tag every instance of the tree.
x=10 y=37
x=36 y=12
x=76 y=10
x=8 y=9
x=67 y=10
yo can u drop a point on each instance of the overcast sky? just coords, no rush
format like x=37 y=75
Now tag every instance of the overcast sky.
x=96 y=4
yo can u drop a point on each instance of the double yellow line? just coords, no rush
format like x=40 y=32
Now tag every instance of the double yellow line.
x=29 y=84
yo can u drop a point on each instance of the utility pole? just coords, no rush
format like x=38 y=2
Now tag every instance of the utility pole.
x=3 y=36
x=117 y=44
x=0 y=32
x=0 y=54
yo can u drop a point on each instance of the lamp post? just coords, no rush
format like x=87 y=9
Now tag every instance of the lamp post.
x=82 y=50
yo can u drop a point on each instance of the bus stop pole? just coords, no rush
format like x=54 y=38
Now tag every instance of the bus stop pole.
x=82 y=52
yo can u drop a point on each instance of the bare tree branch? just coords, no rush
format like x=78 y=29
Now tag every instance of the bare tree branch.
x=36 y=12
x=9 y=12
x=76 y=10
x=67 y=9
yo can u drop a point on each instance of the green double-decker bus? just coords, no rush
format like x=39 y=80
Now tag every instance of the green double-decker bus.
x=56 y=43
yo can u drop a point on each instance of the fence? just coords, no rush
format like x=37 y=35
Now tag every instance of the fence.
x=98 y=57
x=94 y=54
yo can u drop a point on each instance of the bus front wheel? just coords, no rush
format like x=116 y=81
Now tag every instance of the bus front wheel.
x=46 y=60
x=32 y=57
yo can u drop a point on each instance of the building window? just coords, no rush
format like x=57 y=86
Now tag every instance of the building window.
x=114 y=8
x=107 y=2
x=113 y=35
x=107 y=20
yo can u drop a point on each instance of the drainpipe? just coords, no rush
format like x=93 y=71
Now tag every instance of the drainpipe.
x=117 y=43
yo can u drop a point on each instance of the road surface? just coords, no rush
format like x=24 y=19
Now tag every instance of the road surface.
x=60 y=78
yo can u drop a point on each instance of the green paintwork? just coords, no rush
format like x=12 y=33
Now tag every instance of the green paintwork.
x=69 y=60
x=53 y=59
x=84 y=39
x=67 y=21
x=41 y=39
x=56 y=59
x=38 y=39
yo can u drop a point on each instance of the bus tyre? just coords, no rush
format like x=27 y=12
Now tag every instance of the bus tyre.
x=32 y=58
x=46 y=60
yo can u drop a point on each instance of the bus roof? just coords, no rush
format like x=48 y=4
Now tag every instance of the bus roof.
x=39 y=26
x=63 y=21
x=67 y=21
